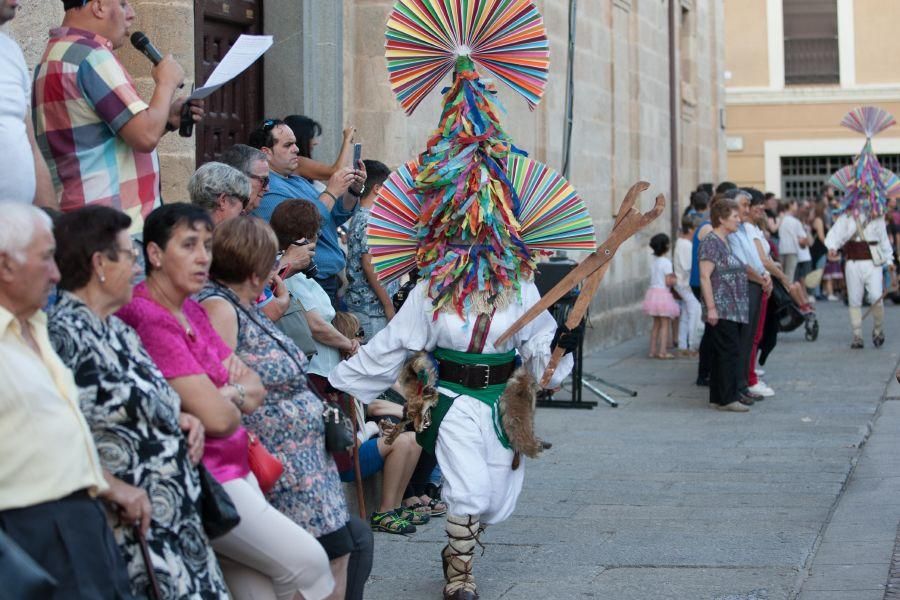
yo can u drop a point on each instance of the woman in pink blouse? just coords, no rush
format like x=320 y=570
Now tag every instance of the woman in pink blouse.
x=267 y=555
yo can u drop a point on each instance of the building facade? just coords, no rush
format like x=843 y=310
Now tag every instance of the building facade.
x=646 y=86
x=794 y=68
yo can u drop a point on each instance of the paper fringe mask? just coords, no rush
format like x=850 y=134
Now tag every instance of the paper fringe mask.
x=866 y=184
x=505 y=37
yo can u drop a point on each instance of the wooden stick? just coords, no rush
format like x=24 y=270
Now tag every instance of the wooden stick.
x=360 y=494
x=591 y=284
x=629 y=223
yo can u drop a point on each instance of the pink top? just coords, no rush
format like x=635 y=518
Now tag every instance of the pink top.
x=178 y=354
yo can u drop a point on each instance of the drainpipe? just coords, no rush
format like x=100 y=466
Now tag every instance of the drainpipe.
x=674 y=97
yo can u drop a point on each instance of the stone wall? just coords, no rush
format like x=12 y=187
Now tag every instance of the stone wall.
x=171 y=27
x=621 y=119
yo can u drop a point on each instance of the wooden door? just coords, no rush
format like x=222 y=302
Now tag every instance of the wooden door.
x=235 y=109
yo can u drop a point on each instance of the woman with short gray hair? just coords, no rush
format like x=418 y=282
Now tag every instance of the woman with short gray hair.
x=221 y=190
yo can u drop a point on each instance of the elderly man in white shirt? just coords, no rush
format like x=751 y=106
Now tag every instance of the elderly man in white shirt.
x=50 y=475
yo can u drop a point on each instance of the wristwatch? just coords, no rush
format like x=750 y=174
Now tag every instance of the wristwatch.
x=362 y=191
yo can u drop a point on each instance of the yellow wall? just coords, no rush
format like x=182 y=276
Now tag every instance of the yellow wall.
x=875 y=24
x=760 y=123
x=746 y=49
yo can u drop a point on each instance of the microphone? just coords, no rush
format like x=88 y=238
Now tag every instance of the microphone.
x=142 y=44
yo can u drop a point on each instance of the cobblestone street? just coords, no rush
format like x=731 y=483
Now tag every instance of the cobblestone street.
x=664 y=498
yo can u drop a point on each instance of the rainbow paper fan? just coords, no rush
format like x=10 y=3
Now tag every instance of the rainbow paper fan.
x=425 y=37
x=868 y=120
x=845 y=178
x=552 y=215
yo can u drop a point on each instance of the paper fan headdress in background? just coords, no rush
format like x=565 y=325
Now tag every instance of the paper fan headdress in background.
x=472 y=211
x=866 y=185
x=425 y=37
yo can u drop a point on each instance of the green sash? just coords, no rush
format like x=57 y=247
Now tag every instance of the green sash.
x=489 y=395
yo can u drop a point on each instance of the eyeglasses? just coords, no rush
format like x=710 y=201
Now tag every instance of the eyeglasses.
x=270 y=124
x=131 y=253
x=262 y=179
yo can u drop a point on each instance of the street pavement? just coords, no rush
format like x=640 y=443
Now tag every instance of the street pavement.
x=665 y=498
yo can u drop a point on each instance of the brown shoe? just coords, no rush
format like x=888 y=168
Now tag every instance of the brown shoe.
x=733 y=407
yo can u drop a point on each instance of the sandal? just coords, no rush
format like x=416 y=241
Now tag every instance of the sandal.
x=413 y=516
x=438 y=508
x=391 y=522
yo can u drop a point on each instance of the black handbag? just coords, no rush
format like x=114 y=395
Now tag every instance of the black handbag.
x=338 y=429
x=217 y=511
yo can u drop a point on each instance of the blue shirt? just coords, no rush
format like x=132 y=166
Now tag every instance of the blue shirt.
x=743 y=247
x=329 y=256
x=695 y=260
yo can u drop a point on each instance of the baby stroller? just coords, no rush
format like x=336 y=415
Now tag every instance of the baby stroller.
x=791 y=315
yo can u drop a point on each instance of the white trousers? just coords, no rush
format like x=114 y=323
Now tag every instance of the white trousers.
x=862 y=276
x=268 y=555
x=478 y=476
x=689 y=325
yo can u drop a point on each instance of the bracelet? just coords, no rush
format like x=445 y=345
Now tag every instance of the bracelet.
x=333 y=197
x=362 y=191
x=242 y=394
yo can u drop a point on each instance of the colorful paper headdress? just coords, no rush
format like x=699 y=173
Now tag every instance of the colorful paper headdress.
x=472 y=210
x=866 y=185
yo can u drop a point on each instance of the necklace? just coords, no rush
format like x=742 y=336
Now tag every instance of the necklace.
x=154 y=289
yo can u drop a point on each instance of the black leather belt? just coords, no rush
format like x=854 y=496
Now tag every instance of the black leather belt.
x=476 y=377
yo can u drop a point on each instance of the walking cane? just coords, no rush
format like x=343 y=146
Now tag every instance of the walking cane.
x=360 y=496
x=153 y=590
x=891 y=289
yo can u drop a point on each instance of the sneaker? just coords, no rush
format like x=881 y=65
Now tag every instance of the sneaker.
x=760 y=372
x=733 y=407
x=832 y=298
x=878 y=339
x=761 y=389
x=857 y=343
x=390 y=522
x=751 y=395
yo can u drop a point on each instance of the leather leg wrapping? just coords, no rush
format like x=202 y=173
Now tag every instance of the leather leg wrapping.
x=459 y=553
x=878 y=317
x=517 y=413
x=856 y=320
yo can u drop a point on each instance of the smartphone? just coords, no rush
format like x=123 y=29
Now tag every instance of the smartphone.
x=357 y=155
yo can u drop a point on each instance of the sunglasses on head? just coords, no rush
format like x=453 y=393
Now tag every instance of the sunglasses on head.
x=270 y=124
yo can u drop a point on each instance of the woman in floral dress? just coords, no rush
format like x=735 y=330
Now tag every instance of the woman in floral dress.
x=289 y=424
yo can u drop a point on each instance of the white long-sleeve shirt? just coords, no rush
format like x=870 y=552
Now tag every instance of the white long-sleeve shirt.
x=682 y=262
x=844 y=229
x=378 y=363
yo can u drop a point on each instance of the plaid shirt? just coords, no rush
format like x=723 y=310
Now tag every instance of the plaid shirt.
x=82 y=98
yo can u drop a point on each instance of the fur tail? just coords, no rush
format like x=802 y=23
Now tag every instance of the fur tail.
x=517 y=413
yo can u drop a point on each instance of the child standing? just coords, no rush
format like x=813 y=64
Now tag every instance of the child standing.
x=659 y=302
x=689 y=325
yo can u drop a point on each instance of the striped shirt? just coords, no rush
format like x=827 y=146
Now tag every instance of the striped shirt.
x=82 y=97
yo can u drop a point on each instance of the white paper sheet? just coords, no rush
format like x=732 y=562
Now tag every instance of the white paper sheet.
x=246 y=51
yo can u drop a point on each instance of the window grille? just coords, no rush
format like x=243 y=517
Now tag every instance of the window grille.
x=811 y=42
x=802 y=177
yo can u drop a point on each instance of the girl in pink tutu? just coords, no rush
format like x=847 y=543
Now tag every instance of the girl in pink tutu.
x=659 y=302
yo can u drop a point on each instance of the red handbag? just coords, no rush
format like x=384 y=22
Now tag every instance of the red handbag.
x=266 y=468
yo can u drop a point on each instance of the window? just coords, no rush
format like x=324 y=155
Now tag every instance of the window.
x=802 y=177
x=811 y=42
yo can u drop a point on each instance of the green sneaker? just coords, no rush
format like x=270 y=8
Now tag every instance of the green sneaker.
x=391 y=522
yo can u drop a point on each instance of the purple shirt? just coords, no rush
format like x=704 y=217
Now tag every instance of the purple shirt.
x=179 y=354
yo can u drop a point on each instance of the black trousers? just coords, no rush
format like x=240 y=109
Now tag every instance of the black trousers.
x=704 y=357
x=725 y=339
x=71 y=540
x=747 y=334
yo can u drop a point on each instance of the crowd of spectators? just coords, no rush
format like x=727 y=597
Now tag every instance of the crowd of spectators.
x=154 y=355
x=735 y=247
